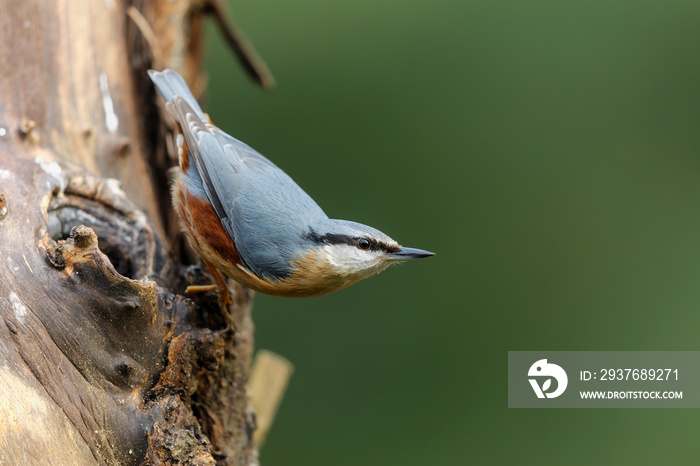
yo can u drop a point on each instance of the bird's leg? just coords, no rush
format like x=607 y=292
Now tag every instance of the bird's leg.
x=220 y=287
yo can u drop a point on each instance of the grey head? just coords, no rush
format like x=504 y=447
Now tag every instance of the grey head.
x=354 y=249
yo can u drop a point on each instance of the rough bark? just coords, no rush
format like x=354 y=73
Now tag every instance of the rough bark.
x=102 y=358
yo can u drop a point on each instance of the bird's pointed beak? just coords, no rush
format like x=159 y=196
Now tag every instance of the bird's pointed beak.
x=404 y=254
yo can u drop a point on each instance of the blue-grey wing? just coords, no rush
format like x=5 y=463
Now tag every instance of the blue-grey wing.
x=264 y=211
x=171 y=85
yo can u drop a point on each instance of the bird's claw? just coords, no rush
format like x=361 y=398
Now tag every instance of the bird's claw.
x=224 y=303
x=220 y=287
x=224 y=299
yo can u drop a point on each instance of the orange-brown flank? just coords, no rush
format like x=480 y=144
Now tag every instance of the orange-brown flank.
x=208 y=228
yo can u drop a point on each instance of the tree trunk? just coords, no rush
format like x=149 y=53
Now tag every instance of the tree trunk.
x=102 y=358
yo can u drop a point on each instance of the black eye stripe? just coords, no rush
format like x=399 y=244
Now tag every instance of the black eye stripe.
x=334 y=238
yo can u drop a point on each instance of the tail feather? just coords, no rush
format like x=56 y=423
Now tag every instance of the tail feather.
x=171 y=84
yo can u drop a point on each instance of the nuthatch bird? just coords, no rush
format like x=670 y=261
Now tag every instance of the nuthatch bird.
x=247 y=218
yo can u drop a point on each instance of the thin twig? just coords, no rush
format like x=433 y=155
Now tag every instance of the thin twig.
x=147 y=32
x=249 y=58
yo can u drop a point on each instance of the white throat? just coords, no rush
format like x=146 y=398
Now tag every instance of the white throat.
x=347 y=260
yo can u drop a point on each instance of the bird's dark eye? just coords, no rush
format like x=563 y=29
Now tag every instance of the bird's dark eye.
x=364 y=244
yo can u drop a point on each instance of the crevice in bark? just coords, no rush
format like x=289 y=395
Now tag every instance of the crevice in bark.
x=103 y=360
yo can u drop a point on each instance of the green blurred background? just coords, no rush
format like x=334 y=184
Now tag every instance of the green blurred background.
x=547 y=151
